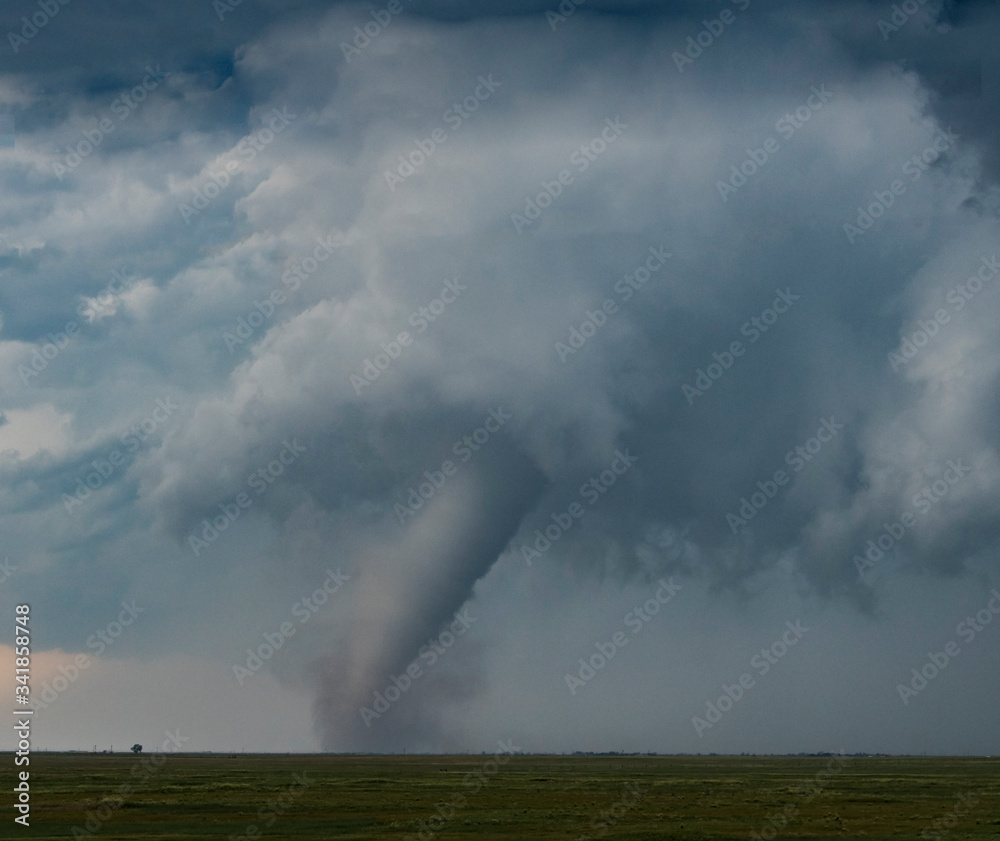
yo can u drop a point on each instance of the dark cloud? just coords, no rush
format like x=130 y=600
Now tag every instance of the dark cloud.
x=187 y=250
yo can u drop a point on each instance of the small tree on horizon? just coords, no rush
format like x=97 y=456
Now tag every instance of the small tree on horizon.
x=136 y=748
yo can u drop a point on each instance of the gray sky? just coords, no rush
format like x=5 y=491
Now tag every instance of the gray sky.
x=612 y=377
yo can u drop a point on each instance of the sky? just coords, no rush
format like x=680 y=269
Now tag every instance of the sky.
x=418 y=374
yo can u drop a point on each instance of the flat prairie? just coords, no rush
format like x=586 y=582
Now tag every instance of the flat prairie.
x=634 y=798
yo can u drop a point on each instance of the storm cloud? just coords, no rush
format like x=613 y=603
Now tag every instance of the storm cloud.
x=520 y=310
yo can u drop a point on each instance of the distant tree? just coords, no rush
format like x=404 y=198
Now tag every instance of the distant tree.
x=137 y=749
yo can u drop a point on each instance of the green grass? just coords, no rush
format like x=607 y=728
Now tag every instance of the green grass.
x=529 y=797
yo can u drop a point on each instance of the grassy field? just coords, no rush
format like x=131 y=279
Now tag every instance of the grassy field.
x=518 y=797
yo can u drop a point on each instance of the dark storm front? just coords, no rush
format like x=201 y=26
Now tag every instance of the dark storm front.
x=276 y=231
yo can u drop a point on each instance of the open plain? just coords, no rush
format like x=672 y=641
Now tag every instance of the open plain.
x=512 y=796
